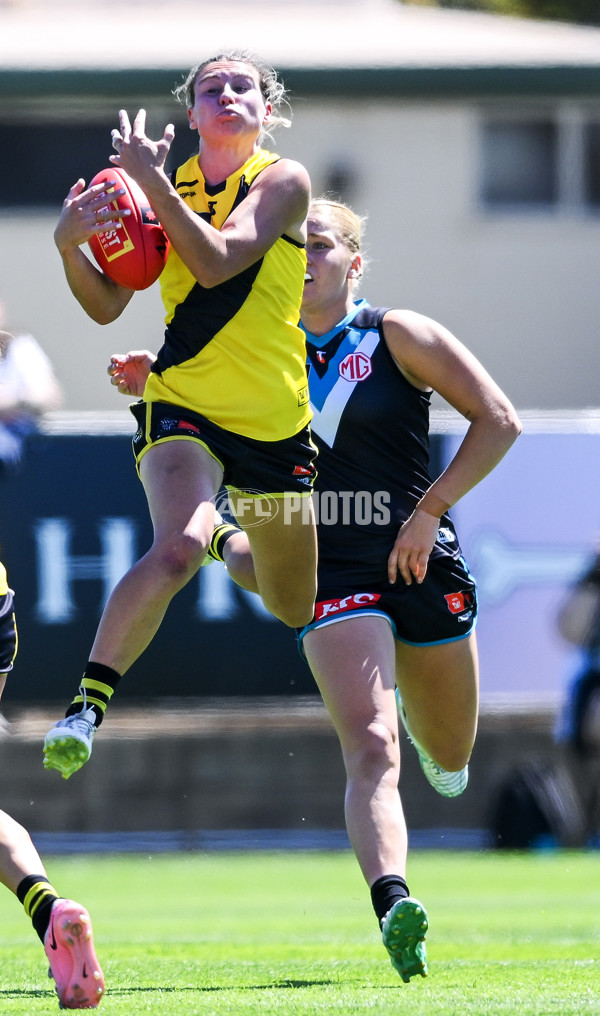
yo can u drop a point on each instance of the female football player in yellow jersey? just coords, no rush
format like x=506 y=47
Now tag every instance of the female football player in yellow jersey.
x=227 y=399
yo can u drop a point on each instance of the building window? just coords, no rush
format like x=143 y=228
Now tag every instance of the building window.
x=42 y=160
x=520 y=163
x=592 y=163
x=541 y=162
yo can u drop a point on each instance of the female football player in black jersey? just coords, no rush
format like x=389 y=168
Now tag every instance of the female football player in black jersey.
x=393 y=634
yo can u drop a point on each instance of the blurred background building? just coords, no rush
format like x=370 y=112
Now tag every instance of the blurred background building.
x=471 y=140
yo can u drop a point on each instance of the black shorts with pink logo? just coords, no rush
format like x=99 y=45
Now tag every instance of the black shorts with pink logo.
x=443 y=608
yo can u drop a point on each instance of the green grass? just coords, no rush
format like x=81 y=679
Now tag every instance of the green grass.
x=294 y=934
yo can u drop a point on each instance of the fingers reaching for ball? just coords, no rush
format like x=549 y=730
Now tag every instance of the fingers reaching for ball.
x=137 y=153
x=101 y=210
x=86 y=212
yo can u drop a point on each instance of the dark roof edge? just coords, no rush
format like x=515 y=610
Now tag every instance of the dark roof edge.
x=433 y=82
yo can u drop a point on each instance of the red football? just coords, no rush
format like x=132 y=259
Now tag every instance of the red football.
x=135 y=255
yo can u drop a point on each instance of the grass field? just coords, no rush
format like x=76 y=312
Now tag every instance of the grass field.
x=294 y=933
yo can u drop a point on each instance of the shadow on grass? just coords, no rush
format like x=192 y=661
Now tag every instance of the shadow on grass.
x=116 y=992
x=122 y=992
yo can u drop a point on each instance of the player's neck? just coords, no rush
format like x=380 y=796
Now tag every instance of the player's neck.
x=320 y=320
x=218 y=163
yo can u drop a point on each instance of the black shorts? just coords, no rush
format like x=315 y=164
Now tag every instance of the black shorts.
x=8 y=633
x=443 y=608
x=255 y=467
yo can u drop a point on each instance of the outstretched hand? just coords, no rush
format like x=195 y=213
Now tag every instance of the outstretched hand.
x=137 y=154
x=129 y=372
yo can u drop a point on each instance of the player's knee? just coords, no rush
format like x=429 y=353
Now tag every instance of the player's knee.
x=294 y=613
x=376 y=756
x=294 y=618
x=180 y=557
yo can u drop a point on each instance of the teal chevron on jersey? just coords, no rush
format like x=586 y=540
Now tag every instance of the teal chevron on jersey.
x=344 y=353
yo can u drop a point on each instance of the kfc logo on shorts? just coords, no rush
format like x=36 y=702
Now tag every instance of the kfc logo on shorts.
x=457 y=602
x=355 y=367
x=328 y=607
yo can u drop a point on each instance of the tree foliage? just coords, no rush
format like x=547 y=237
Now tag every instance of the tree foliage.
x=582 y=12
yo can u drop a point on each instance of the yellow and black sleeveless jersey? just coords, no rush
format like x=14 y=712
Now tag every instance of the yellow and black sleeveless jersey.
x=235 y=352
x=9 y=641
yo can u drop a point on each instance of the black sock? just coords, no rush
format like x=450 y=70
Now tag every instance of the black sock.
x=386 y=891
x=37 y=896
x=96 y=689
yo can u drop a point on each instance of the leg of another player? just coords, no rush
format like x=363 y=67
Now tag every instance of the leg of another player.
x=63 y=926
x=18 y=856
x=353 y=664
x=284 y=551
x=439 y=690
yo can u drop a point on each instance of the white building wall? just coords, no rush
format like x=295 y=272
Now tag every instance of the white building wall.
x=521 y=290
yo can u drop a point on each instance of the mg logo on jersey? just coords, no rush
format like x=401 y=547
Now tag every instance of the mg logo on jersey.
x=356 y=367
x=328 y=607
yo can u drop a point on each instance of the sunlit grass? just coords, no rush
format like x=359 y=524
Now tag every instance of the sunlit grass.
x=294 y=933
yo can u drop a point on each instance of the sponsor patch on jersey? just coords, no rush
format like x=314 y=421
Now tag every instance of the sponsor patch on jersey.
x=303 y=396
x=356 y=367
x=327 y=608
x=458 y=602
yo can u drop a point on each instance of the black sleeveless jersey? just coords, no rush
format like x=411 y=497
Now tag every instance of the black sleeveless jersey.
x=371 y=427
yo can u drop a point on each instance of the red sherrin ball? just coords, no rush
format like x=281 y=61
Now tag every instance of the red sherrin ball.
x=135 y=255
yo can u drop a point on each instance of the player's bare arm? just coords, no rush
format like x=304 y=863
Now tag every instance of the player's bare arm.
x=277 y=203
x=85 y=214
x=432 y=358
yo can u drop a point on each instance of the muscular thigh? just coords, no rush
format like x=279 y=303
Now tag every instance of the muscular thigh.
x=181 y=479
x=439 y=689
x=353 y=664
x=284 y=550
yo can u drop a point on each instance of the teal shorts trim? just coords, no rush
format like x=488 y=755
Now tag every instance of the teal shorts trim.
x=443 y=608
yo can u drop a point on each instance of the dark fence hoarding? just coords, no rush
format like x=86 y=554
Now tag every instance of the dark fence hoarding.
x=72 y=521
